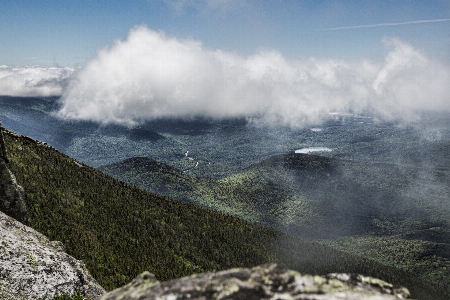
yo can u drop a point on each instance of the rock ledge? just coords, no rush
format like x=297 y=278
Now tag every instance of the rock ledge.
x=262 y=282
x=33 y=267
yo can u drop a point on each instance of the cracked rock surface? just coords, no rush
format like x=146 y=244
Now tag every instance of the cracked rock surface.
x=262 y=282
x=33 y=267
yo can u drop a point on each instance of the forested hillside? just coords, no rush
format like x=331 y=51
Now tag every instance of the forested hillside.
x=381 y=207
x=120 y=230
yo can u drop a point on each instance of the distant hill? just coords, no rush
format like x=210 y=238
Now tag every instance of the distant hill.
x=370 y=204
x=165 y=180
x=119 y=230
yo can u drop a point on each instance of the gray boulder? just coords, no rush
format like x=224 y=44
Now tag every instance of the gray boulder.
x=262 y=282
x=33 y=267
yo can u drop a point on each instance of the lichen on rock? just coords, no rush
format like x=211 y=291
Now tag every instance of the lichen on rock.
x=262 y=282
x=33 y=267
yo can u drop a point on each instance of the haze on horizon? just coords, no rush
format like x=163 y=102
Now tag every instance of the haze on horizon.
x=284 y=62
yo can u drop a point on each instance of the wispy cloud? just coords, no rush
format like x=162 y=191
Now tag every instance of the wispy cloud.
x=150 y=76
x=385 y=24
x=33 y=81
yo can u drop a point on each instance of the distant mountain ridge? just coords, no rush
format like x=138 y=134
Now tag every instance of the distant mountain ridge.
x=163 y=179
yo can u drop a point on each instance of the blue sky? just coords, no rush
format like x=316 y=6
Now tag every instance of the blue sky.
x=66 y=33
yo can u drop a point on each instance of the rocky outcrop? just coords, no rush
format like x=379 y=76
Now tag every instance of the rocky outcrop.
x=11 y=195
x=32 y=267
x=3 y=154
x=263 y=282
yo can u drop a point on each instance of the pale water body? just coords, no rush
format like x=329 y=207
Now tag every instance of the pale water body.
x=313 y=149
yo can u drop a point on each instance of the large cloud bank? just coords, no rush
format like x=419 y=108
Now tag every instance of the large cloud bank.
x=33 y=81
x=150 y=76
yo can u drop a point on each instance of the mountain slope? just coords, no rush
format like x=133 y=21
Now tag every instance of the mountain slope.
x=119 y=230
x=350 y=195
x=369 y=203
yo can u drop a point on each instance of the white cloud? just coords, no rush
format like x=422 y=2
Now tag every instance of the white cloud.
x=150 y=76
x=33 y=81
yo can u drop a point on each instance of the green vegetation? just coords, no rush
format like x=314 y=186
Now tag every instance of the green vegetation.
x=120 y=230
x=418 y=256
x=327 y=198
x=162 y=179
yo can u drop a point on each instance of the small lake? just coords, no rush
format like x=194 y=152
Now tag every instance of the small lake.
x=313 y=149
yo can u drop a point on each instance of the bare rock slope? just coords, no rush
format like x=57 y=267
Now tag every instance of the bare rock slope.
x=262 y=282
x=33 y=267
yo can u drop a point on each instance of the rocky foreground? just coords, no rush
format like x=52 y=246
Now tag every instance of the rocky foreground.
x=262 y=282
x=33 y=267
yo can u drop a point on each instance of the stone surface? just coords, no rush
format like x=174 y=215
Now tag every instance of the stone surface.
x=11 y=195
x=33 y=267
x=3 y=153
x=262 y=282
